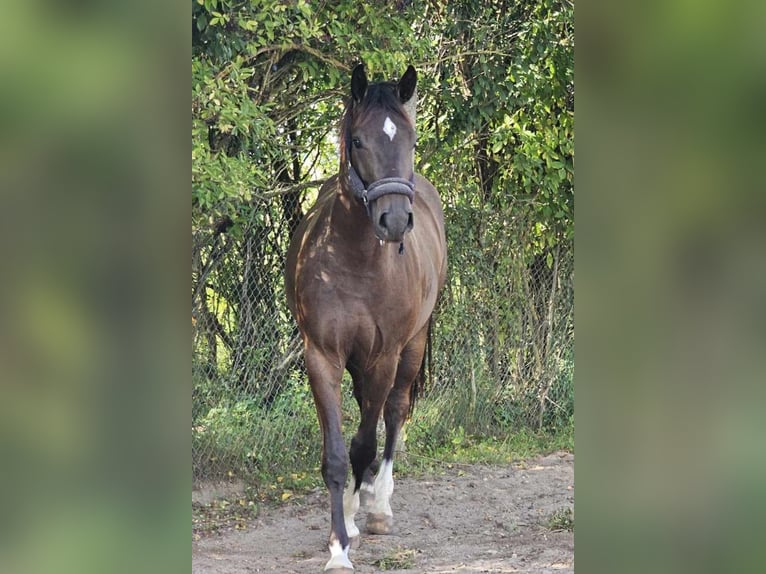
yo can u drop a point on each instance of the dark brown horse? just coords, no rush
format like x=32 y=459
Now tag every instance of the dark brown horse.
x=363 y=272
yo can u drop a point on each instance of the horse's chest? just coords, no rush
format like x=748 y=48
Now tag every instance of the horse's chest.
x=343 y=308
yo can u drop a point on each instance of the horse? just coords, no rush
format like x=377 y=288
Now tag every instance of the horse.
x=363 y=272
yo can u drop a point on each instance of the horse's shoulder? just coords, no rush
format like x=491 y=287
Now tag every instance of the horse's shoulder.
x=425 y=189
x=320 y=210
x=423 y=183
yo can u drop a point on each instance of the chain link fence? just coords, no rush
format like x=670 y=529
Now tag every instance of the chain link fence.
x=503 y=347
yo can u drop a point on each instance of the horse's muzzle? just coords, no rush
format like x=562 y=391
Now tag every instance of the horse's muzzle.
x=388 y=202
x=392 y=217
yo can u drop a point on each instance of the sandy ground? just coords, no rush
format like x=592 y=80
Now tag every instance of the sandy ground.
x=470 y=519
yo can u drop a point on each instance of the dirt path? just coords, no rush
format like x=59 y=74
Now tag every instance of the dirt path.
x=472 y=519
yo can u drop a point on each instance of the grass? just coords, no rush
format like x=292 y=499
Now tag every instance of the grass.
x=396 y=559
x=562 y=519
x=462 y=448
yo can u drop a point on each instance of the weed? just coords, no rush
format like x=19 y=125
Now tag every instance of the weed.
x=562 y=519
x=397 y=559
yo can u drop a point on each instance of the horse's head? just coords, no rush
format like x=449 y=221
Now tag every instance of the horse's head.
x=377 y=146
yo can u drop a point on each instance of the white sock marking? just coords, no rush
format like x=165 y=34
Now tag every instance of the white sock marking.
x=390 y=128
x=338 y=557
x=384 y=488
x=367 y=487
x=350 y=506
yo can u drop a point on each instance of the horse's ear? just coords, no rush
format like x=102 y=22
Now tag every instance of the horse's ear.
x=406 y=85
x=358 y=83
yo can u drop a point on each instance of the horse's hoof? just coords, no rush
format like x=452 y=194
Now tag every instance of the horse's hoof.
x=339 y=571
x=339 y=562
x=380 y=523
x=354 y=542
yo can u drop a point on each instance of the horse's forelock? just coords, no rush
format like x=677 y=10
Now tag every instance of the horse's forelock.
x=381 y=95
x=385 y=95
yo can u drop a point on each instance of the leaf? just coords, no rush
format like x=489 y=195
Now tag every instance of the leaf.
x=201 y=22
x=286 y=494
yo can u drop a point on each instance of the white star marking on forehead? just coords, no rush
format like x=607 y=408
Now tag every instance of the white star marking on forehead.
x=390 y=128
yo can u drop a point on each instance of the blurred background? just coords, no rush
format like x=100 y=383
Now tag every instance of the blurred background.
x=95 y=385
x=94 y=393
x=671 y=277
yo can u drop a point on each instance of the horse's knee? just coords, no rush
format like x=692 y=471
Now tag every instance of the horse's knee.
x=334 y=470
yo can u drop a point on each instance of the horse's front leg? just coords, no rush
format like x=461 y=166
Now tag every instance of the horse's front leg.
x=325 y=380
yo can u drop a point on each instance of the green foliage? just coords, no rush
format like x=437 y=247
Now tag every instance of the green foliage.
x=240 y=436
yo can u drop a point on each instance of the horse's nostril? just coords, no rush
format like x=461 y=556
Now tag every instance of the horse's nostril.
x=382 y=220
x=409 y=221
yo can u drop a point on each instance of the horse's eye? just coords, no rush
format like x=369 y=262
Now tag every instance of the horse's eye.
x=357 y=143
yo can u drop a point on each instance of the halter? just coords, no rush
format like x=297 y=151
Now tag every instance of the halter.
x=379 y=188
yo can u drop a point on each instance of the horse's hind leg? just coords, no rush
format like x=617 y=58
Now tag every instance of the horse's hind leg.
x=380 y=518
x=370 y=393
x=363 y=477
x=367 y=490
